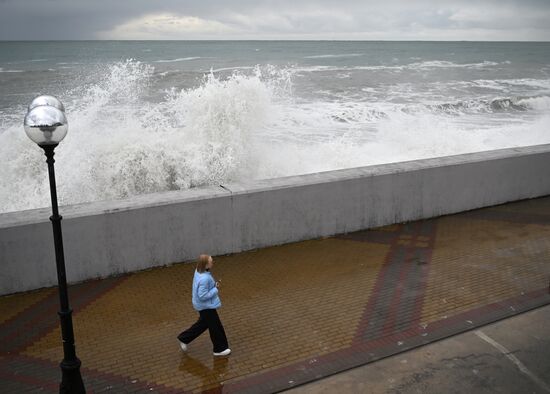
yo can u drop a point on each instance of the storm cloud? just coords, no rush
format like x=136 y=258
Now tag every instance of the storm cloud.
x=504 y=20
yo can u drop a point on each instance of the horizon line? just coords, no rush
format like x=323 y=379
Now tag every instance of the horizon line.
x=269 y=40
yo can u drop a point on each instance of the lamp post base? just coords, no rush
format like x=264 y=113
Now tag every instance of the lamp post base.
x=71 y=381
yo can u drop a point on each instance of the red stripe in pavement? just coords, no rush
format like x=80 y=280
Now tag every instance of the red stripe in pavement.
x=419 y=303
x=44 y=314
x=373 y=298
x=404 y=273
x=80 y=299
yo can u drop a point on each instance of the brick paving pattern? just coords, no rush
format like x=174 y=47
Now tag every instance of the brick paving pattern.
x=292 y=313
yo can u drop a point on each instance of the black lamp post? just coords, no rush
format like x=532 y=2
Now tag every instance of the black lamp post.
x=46 y=124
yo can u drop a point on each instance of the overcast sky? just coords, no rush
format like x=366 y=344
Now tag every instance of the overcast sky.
x=281 y=19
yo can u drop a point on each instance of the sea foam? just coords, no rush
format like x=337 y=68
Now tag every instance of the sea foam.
x=247 y=125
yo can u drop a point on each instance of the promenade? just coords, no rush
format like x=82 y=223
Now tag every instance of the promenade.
x=293 y=313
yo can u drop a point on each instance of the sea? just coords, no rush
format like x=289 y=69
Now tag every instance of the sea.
x=152 y=116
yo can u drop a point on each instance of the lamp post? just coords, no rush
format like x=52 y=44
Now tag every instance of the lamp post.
x=46 y=124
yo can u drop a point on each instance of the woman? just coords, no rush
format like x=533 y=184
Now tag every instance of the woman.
x=206 y=301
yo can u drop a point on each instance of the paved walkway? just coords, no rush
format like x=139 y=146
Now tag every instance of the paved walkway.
x=509 y=356
x=293 y=313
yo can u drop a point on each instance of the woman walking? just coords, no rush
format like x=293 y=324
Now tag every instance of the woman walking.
x=206 y=301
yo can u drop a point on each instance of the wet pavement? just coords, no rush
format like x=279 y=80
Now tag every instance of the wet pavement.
x=293 y=313
x=510 y=356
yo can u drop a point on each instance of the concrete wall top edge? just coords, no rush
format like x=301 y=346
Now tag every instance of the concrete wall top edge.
x=21 y=218
x=26 y=217
x=381 y=169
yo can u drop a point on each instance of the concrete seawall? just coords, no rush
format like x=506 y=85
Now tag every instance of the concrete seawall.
x=111 y=237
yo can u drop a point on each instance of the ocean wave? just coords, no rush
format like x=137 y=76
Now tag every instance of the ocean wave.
x=10 y=71
x=541 y=103
x=529 y=82
x=242 y=125
x=416 y=66
x=169 y=72
x=446 y=64
x=181 y=59
x=28 y=61
x=330 y=56
x=193 y=137
x=236 y=68
x=503 y=104
x=504 y=85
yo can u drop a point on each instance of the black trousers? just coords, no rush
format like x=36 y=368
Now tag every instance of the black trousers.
x=208 y=319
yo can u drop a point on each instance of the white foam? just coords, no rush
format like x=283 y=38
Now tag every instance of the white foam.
x=328 y=56
x=395 y=138
x=530 y=82
x=118 y=146
x=541 y=103
x=446 y=64
x=215 y=70
x=421 y=66
x=181 y=59
x=487 y=84
x=245 y=126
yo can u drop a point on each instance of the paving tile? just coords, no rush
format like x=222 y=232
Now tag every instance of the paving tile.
x=293 y=313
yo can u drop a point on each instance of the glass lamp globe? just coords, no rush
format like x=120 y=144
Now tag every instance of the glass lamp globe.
x=46 y=125
x=46 y=100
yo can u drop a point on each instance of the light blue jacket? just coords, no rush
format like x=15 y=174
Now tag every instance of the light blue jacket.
x=205 y=292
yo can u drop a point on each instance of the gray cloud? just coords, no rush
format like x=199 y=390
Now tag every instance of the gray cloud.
x=269 y=19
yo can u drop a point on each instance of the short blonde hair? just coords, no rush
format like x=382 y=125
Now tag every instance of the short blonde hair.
x=201 y=263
